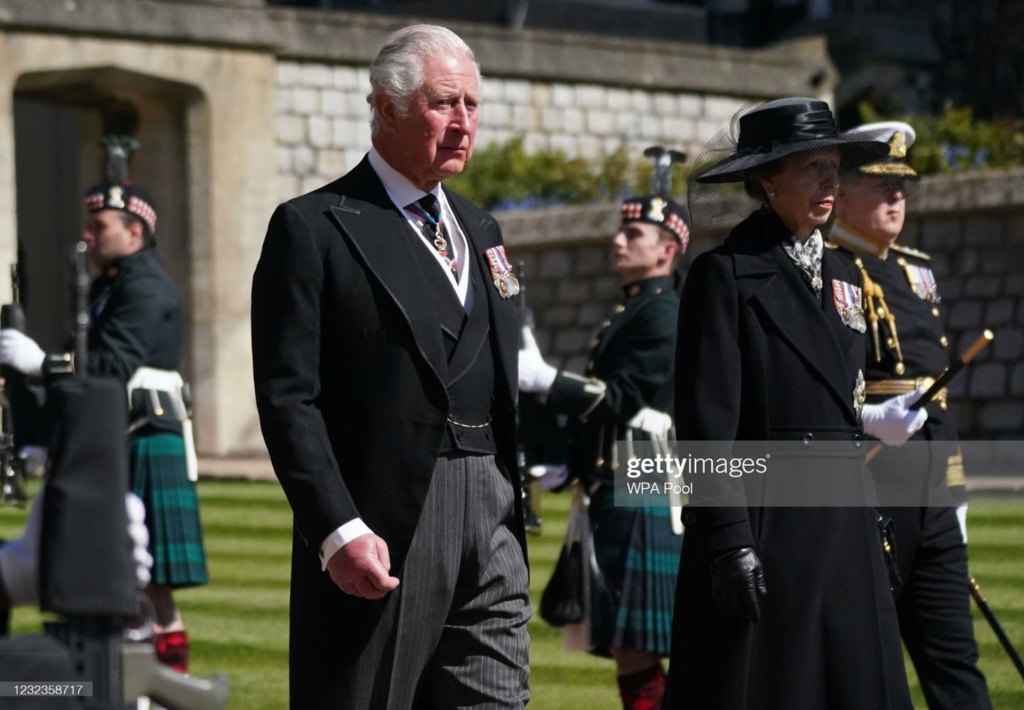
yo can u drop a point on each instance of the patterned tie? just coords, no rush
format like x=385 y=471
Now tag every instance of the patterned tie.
x=428 y=209
x=807 y=257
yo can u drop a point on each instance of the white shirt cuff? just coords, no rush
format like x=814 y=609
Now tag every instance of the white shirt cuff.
x=341 y=537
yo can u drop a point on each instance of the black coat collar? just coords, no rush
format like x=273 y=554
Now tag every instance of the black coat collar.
x=792 y=307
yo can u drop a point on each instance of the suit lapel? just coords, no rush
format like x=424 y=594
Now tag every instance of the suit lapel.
x=482 y=234
x=798 y=316
x=368 y=218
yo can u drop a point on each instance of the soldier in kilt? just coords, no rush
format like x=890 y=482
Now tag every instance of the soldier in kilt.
x=135 y=336
x=627 y=387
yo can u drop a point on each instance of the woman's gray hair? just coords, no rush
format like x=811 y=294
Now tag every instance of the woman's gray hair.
x=397 y=70
x=752 y=178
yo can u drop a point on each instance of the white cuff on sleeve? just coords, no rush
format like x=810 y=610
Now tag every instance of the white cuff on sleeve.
x=341 y=537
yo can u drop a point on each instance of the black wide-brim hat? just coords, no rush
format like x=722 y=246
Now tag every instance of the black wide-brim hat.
x=784 y=127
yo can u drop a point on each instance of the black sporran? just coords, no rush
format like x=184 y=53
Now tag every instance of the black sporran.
x=563 y=599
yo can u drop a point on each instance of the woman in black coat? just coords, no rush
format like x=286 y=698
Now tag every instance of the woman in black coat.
x=779 y=606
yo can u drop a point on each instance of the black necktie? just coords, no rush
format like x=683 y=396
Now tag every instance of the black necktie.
x=429 y=209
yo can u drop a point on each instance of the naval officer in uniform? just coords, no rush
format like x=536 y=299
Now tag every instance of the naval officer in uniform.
x=906 y=346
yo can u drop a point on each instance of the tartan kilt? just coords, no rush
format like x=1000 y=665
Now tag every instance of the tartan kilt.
x=639 y=557
x=160 y=478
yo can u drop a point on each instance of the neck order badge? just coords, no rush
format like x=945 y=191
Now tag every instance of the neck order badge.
x=428 y=209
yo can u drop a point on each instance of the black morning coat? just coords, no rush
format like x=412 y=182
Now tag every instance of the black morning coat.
x=349 y=364
x=760 y=357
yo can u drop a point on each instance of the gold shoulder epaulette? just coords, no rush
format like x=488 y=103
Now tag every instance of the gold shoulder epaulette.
x=900 y=249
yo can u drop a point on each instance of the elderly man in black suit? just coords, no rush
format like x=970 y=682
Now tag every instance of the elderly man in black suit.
x=384 y=351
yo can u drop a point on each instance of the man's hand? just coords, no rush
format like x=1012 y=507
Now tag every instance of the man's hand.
x=737 y=581
x=892 y=421
x=535 y=375
x=21 y=352
x=655 y=423
x=361 y=568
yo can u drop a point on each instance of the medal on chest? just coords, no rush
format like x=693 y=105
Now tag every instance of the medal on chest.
x=849 y=302
x=922 y=281
x=501 y=272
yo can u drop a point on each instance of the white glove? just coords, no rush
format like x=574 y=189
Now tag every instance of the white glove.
x=655 y=423
x=19 y=559
x=34 y=458
x=892 y=421
x=549 y=475
x=961 y=517
x=139 y=534
x=535 y=375
x=20 y=352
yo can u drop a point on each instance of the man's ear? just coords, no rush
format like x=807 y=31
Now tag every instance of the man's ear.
x=387 y=111
x=138 y=233
x=670 y=249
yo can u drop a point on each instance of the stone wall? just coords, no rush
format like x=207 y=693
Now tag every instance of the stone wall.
x=322 y=119
x=972 y=226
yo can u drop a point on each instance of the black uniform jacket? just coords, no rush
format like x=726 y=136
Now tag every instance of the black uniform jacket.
x=633 y=355
x=137 y=321
x=349 y=365
x=761 y=357
x=137 y=318
x=914 y=472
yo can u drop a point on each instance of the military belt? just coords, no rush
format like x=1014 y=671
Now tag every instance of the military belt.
x=890 y=388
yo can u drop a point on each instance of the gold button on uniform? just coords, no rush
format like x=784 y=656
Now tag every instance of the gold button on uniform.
x=944 y=341
x=900 y=368
x=935 y=312
x=606 y=324
x=620 y=308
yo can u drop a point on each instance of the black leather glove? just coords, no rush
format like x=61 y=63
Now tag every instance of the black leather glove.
x=736 y=582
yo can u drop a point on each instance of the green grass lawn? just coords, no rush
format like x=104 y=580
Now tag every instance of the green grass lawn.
x=239 y=623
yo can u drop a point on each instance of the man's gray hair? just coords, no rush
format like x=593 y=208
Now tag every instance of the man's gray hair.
x=397 y=70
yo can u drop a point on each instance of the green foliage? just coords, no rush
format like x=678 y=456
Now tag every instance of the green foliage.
x=955 y=142
x=505 y=176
